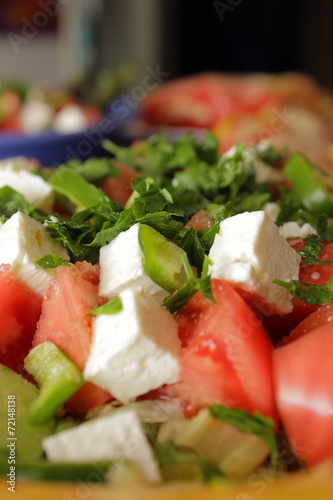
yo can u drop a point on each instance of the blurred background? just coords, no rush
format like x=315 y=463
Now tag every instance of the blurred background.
x=55 y=41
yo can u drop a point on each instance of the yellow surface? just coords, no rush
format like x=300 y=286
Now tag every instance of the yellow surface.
x=318 y=486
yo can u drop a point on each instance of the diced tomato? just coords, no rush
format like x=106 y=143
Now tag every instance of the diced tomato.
x=226 y=354
x=65 y=320
x=92 y=114
x=280 y=326
x=87 y=397
x=319 y=317
x=200 y=100
x=303 y=372
x=119 y=188
x=199 y=220
x=20 y=309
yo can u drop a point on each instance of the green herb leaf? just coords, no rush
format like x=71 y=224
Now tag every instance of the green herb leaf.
x=308 y=293
x=11 y=202
x=168 y=454
x=257 y=424
x=51 y=261
x=310 y=253
x=113 y=306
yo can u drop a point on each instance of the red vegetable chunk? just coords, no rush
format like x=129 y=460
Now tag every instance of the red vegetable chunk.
x=226 y=354
x=66 y=321
x=303 y=372
x=20 y=309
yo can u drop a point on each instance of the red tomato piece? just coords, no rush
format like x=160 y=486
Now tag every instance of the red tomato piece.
x=226 y=354
x=303 y=372
x=119 y=188
x=87 y=397
x=65 y=320
x=280 y=326
x=319 y=317
x=200 y=220
x=20 y=309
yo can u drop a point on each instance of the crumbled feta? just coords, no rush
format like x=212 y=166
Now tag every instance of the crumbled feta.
x=121 y=266
x=34 y=189
x=24 y=240
x=290 y=229
x=113 y=437
x=35 y=116
x=70 y=119
x=135 y=350
x=293 y=229
x=250 y=253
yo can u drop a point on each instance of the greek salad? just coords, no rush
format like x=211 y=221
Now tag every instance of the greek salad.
x=166 y=314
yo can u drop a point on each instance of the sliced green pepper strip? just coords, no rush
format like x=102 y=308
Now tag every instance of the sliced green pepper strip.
x=311 y=185
x=75 y=192
x=162 y=259
x=57 y=377
x=43 y=470
x=16 y=397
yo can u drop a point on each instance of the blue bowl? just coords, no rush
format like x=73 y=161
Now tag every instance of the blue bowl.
x=52 y=149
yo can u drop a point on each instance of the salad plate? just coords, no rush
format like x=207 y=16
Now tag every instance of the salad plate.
x=193 y=298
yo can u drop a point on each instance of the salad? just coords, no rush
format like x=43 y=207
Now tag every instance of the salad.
x=166 y=315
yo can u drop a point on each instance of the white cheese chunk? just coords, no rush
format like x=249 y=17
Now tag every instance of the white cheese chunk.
x=121 y=266
x=249 y=252
x=24 y=240
x=116 y=436
x=35 y=116
x=34 y=189
x=70 y=119
x=135 y=350
x=18 y=163
x=293 y=229
x=290 y=229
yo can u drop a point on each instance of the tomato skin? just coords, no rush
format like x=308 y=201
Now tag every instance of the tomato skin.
x=319 y=317
x=226 y=354
x=20 y=309
x=303 y=373
x=119 y=188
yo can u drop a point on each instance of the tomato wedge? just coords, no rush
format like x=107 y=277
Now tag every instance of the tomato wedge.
x=321 y=316
x=226 y=354
x=303 y=374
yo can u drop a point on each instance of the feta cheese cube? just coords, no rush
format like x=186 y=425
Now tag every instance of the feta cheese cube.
x=121 y=266
x=35 y=116
x=135 y=350
x=24 y=240
x=293 y=229
x=70 y=119
x=116 y=436
x=34 y=189
x=249 y=252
